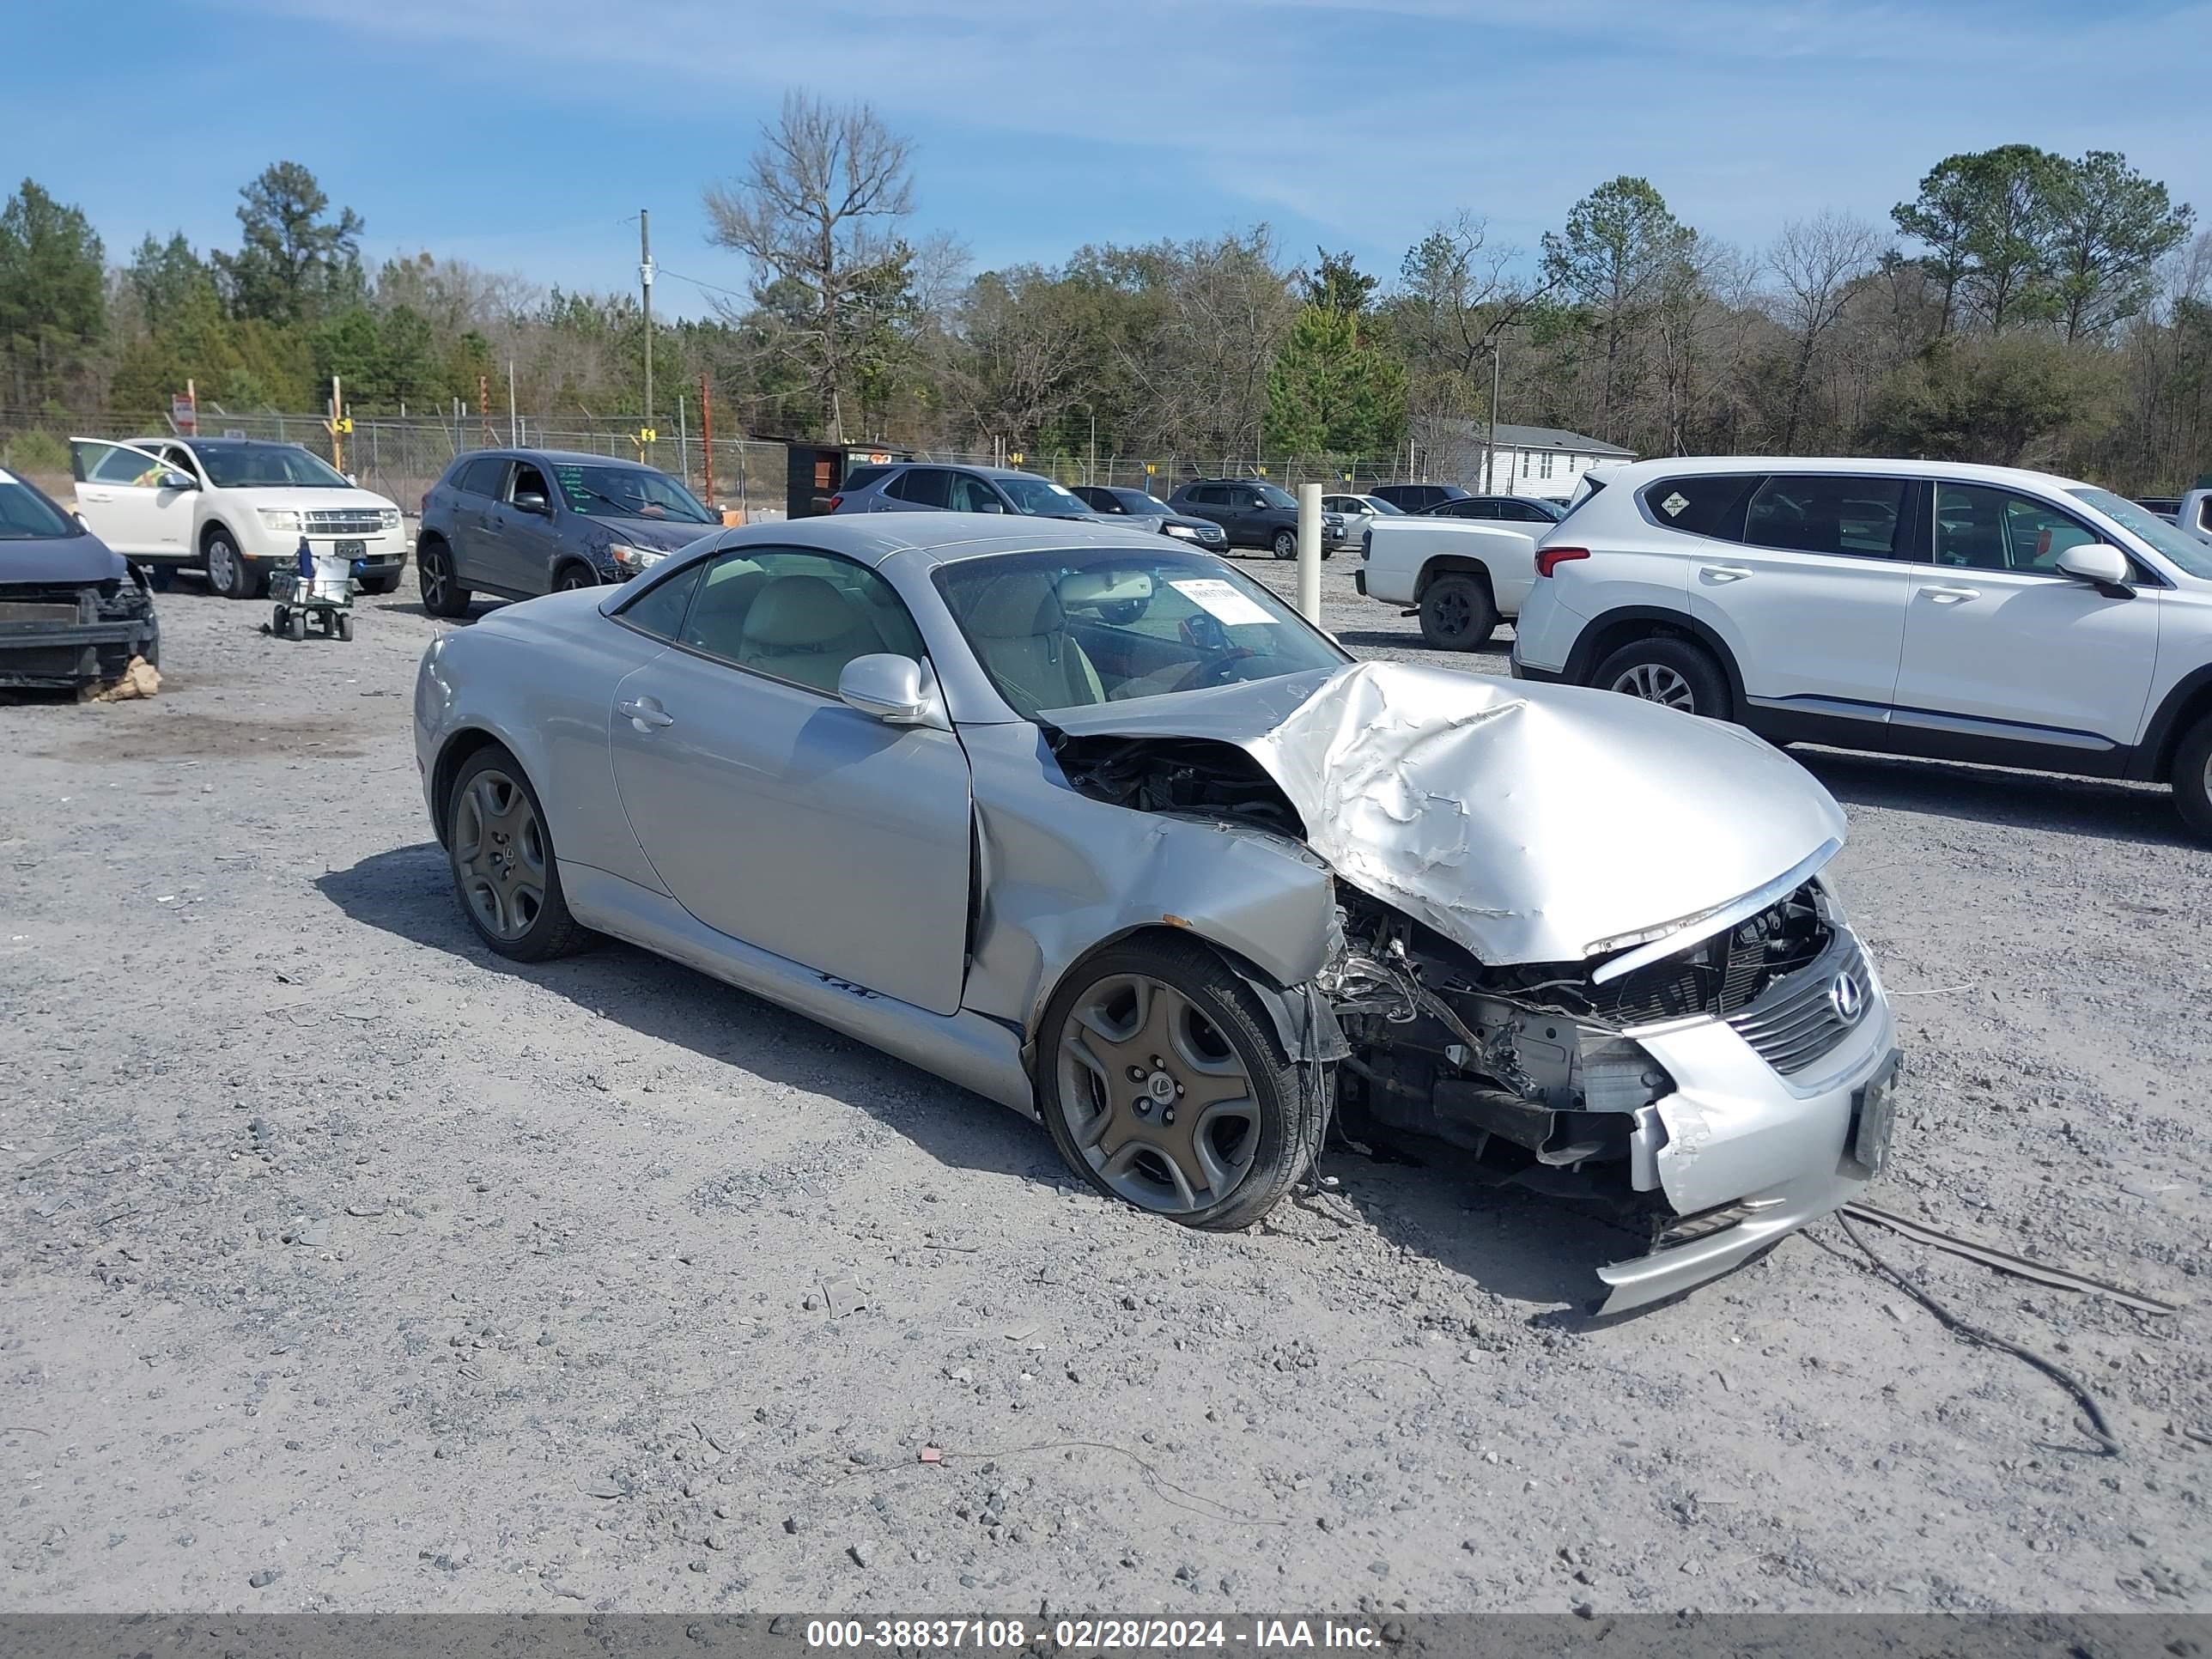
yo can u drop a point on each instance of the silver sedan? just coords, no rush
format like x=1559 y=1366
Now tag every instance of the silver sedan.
x=1094 y=826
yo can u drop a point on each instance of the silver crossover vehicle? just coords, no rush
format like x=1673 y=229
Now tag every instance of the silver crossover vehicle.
x=1094 y=826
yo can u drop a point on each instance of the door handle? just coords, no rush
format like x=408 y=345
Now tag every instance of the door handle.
x=1723 y=573
x=645 y=715
x=1947 y=595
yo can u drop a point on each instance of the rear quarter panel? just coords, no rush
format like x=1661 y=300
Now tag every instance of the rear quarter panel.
x=1400 y=548
x=539 y=677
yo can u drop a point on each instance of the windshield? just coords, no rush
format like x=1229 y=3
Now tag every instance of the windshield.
x=1040 y=496
x=1551 y=510
x=269 y=466
x=626 y=492
x=27 y=515
x=1276 y=495
x=2177 y=544
x=1059 y=630
x=1381 y=508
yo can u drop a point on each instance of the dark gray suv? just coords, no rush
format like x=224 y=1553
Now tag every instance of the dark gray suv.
x=917 y=486
x=1253 y=513
x=516 y=523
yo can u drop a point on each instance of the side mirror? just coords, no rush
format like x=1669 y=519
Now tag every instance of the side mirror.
x=990 y=506
x=178 y=481
x=530 y=501
x=2104 y=568
x=887 y=687
x=83 y=523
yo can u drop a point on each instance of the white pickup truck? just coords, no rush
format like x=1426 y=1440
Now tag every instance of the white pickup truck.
x=1459 y=575
x=2194 y=516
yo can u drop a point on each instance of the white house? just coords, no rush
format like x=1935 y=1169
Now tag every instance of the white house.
x=1528 y=460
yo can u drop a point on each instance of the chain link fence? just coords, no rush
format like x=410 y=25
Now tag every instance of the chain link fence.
x=400 y=457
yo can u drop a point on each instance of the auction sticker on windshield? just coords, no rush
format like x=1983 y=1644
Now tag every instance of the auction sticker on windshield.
x=1218 y=598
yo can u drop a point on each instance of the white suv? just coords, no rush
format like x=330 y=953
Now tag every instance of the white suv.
x=235 y=507
x=1974 y=613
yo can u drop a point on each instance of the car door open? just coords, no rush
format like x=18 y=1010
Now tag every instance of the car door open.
x=776 y=814
x=133 y=499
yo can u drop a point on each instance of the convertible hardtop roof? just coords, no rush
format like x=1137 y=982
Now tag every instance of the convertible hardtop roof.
x=941 y=538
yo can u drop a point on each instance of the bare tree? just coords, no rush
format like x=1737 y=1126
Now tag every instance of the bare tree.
x=816 y=212
x=1816 y=263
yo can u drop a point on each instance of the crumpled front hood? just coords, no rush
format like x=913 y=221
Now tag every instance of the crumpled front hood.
x=1528 y=823
x=60 y=562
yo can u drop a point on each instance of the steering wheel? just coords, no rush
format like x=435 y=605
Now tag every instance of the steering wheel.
x=1219 y=671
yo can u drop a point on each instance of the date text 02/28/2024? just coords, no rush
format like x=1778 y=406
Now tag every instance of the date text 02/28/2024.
x=1100 y=1635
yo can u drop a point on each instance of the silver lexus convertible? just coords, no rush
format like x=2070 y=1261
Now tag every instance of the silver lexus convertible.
x=1093 y=825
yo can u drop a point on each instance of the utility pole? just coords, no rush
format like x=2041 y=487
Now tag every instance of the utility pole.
x=1490 y=438
x=645 y=282
x=483 y=410
x=707 y=436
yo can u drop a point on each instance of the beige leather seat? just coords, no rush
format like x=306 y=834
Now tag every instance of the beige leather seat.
x=1020 y=632
x=802 y=628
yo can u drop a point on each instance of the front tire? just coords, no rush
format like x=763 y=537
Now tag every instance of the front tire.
x=442 y=593
x=506 y=874
x=1457 y=613
x=1672 y=671
x=1163 y=1083
x=1286 y=545
x=228 y=571
x=573 y=577
x=2191 y=778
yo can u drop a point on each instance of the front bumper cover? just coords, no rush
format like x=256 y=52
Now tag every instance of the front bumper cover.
x=1756 y=1153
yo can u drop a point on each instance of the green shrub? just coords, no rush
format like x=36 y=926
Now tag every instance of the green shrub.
x=36 y=453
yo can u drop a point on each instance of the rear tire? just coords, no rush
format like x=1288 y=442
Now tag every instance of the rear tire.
x=1457 y=613
x=344 y=626
x=442 y=593
x=506 y=874
x=1672 y=671
x=1248 y=1130
x=2191 y=778
x=296 y=625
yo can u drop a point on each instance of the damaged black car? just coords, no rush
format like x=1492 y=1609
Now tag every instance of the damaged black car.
x=73 y=611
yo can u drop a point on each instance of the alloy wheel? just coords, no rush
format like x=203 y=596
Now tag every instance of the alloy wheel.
x=222 y=565
x=1155 y=1098
x=499 y=853
x=1655 y=682
x=430 y=570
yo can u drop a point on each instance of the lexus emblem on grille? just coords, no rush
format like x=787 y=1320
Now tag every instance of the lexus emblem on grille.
x=1846 y=997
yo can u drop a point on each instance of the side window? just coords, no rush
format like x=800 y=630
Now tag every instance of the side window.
x=969 y=494
x=1802 y=513
x=1703 y=507
x=2204 y=512
x=1982 y=528
x=485 y=475
x=659 y=610
x=181 y=459
x=528 y=480
x=121 y=466
x=1205 y=495
x=925 y=486
x=796 y=615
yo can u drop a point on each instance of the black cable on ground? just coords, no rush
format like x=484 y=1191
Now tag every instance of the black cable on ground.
x=1912 y=1286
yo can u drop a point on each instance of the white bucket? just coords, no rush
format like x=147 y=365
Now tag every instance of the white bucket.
x=332 y=572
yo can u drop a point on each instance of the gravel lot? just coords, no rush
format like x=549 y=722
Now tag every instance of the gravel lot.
x=346 y=1267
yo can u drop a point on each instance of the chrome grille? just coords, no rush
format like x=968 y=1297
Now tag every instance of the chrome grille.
x=1800 y=1019
x=345 y=522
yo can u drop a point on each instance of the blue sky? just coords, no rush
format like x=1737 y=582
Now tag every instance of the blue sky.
x=524 y=134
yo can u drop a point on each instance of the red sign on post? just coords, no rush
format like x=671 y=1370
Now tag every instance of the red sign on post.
x=183 y=416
